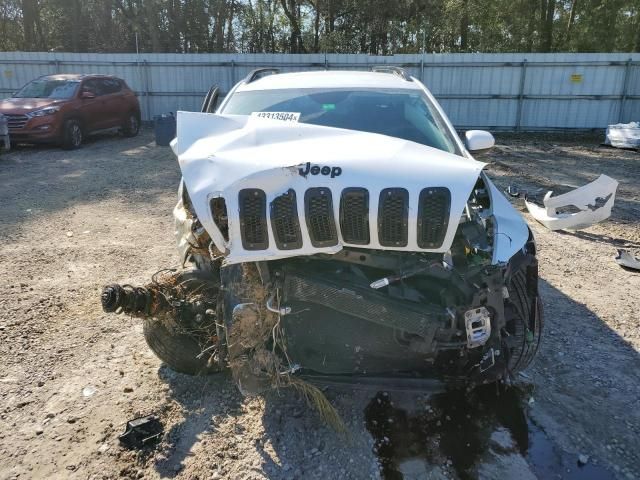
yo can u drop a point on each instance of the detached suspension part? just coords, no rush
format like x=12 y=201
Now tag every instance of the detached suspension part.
x=188 y=297
x=137 y=301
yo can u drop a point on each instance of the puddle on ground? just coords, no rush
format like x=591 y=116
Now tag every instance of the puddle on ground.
x=454 y=431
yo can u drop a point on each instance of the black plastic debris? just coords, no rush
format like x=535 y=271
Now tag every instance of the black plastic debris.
x=141 y=432
x=626 y=260
x=513 y=191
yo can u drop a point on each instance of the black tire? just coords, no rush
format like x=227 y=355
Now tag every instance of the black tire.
x=526 y=320
x=72 y=135
x=131 y=126
x=178 y=350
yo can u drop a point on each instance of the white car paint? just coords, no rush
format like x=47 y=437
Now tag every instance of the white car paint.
x=584 y=198
x=219 y=155
x=328 y=79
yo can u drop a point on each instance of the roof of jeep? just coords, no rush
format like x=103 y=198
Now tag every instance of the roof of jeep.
x=329 y=79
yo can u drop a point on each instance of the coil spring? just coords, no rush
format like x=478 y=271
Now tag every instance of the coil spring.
x=126 y=299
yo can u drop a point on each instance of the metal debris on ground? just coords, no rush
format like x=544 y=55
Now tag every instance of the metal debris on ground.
x=577 y=209
x=626 y=260
x=141 y=432
x=513 y=191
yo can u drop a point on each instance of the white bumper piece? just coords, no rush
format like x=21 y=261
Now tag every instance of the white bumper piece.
x=623 y=135
x=594 y=202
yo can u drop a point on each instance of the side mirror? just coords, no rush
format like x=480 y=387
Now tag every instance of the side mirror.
x=87 y=94
x=478 y=141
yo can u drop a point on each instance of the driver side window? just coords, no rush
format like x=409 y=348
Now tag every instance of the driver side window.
x=92 y=86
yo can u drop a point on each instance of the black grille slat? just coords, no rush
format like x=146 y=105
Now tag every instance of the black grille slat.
x=285 y=222
x=354 y=216
x=253 y=219
x=433 y=216
x=15 y=122
x=393 y=213
x=321 y=224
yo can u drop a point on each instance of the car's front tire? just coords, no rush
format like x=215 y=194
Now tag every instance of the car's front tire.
x=525 y=318
x=72 y=135
x=180 y=351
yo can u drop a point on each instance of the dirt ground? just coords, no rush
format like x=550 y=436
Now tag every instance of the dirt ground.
x=72 y=376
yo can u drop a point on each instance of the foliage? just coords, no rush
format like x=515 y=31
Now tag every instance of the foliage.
x=379 y=27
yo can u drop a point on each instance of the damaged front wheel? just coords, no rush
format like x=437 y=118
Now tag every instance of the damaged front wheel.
x=180 y=351
x=179 y=314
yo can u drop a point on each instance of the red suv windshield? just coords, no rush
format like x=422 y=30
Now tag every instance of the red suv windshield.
x=42 y=88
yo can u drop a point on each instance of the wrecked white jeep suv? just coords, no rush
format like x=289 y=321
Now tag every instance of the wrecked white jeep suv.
x=335 y=229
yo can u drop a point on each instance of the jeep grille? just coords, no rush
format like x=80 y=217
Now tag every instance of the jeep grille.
x=354 y=216
x=320 y=218
x=433 y=211
x=393 y=213
x=284 y=221
x=253 y=219
x=433 y=216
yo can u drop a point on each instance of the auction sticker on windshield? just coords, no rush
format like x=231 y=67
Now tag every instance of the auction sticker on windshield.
x=284 y=116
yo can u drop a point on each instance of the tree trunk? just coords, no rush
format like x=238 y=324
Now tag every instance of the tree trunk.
x=464 y=26
x=76 y=16
x=316 y=26
x=230 y=26
x=30 y=14
x=531 y=27
x=106 y=35
x=291 y=11
x=174 y=26
x=572 y=17
x=150 y=19
x=221 y=15
x=546 y=12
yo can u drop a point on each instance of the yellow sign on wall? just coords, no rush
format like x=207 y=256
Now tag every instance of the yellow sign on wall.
x=8 y=73
x=576 y=78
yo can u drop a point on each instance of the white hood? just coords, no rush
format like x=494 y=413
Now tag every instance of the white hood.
x=222 y=154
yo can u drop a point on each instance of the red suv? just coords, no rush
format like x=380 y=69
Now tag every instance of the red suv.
x=65 y=108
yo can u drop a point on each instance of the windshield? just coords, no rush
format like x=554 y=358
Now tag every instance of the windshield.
x=405 y=114
x=43 y=88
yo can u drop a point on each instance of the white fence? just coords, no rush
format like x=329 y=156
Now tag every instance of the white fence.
x=493 y=91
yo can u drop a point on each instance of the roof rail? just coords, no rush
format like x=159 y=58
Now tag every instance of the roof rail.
x=401 y=72
x=255 y=74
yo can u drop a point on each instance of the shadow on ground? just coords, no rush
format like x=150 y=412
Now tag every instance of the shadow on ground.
x=205 y=401
x=41 y=179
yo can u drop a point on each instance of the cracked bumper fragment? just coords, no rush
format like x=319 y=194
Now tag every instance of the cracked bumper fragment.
x=577 y=209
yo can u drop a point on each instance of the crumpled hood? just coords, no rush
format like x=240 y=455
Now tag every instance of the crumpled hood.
x=220 y=155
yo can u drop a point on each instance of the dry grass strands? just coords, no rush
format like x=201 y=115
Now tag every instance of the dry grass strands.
x=317 y=400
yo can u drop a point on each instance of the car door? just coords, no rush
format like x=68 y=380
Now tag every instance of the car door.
x=90 y=105
x=113 y=102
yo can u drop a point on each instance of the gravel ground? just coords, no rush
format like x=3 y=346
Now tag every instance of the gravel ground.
x=72 y=376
